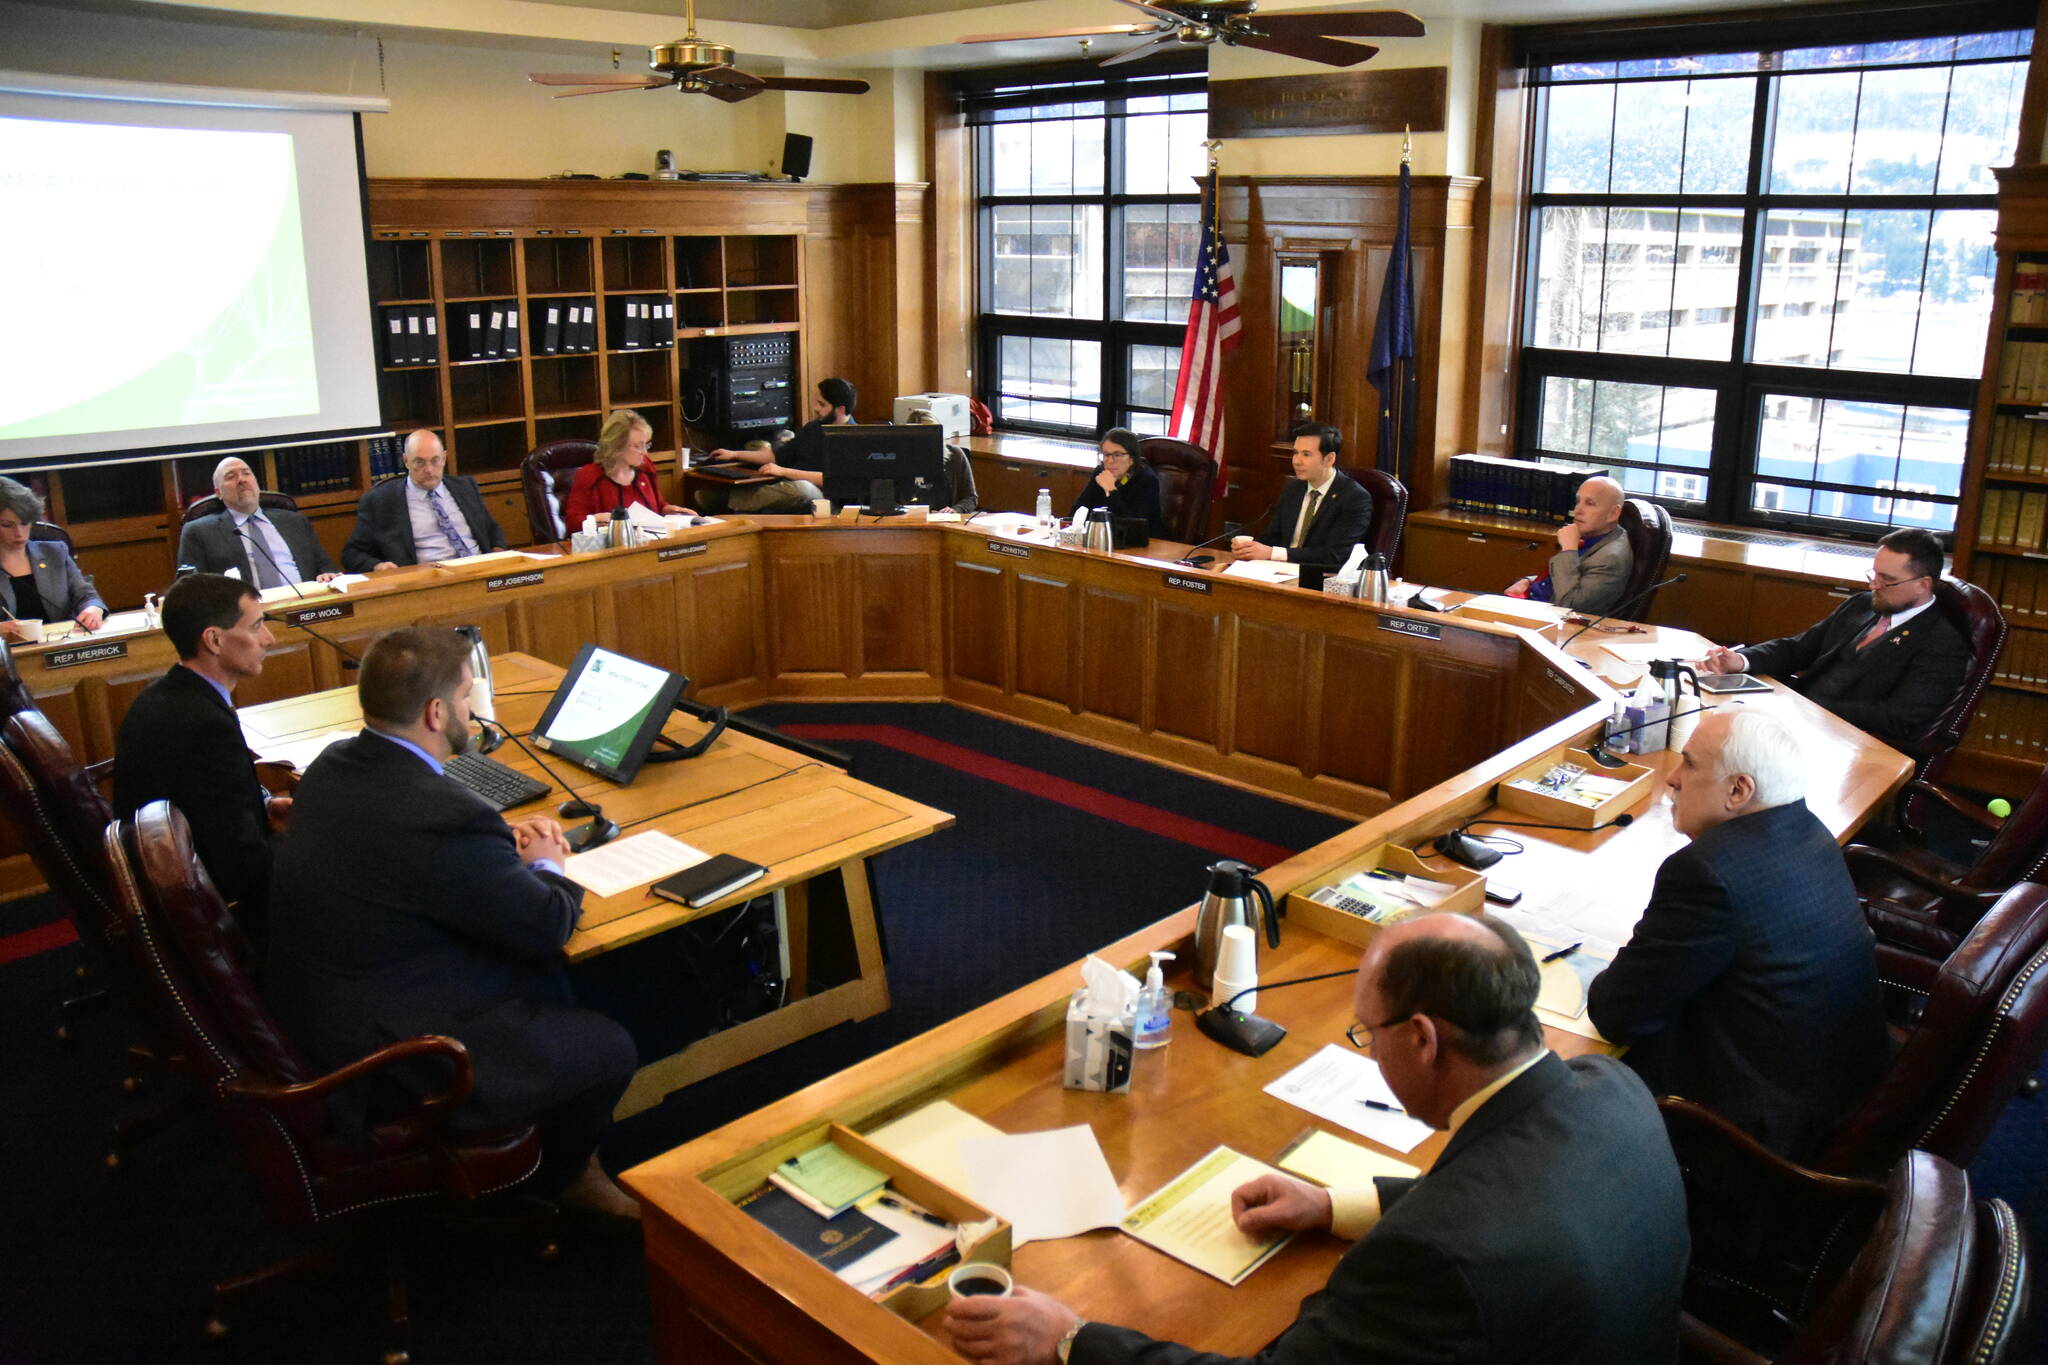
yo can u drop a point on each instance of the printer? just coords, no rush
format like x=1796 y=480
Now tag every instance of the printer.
x=949 y=408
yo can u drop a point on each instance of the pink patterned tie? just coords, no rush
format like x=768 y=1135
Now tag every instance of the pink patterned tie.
x=1884 y=623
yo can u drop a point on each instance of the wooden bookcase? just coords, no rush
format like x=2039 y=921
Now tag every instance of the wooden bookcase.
x=2002 y=525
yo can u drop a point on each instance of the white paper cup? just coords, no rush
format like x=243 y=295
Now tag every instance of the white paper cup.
x=979 y=1272
x=821 y=507
x=31 y=629
x=683 y=458
x=1237 y=966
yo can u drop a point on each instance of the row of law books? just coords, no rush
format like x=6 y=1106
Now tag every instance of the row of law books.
x=1494 y=485
x=2012 y=519
x=2025 y=658
x=2011 y=724
x=2028 y=306
x=2023 y=372
x=2019 y=445
x=329 y=467
x=2019 y=586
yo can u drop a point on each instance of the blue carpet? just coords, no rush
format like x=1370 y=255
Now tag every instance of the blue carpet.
x=107 y=1267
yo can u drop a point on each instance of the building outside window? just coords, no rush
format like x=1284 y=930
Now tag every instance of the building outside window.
x=1760 y=281
x=1089 y=222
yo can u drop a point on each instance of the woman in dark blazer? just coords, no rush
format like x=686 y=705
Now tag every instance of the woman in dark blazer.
x=39 y=580
x=1124 y=484
x=621 y=473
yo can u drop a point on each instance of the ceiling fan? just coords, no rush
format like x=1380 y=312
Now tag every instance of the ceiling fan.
x=1314 y=36
x=695 y=68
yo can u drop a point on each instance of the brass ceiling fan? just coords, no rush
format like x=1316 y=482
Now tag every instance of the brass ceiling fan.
x=695 y=68
x=1312 y=35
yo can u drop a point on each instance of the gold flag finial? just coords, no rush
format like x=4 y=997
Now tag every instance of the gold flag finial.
x=1407 y=146
x=1214 y=144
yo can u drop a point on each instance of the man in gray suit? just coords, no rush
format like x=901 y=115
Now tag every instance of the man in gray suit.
x=1589 y=572
x=427 y=516
x=266 y=547
x=1550 y=1231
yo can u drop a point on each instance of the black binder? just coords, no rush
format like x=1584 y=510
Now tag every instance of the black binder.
x=394 y=337
x=551 y=327
x=494 y=333
x=589 y=328
x=511 y=328
x=473 y=343
x=431 y=335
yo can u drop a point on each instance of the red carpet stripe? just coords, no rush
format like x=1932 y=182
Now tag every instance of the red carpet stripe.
x=1136 y=814
x=40 y=939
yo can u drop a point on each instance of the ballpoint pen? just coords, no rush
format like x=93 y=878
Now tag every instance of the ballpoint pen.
x=905 y=1207
x=1565 y=951
x=1383 y=1106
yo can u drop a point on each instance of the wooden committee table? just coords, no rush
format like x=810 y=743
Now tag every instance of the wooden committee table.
x=811 y=825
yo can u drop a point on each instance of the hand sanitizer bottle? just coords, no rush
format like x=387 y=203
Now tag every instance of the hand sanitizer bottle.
x=1155 y=1007
x=1045 y=509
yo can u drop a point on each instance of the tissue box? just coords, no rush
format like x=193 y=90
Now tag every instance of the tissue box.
x=1098 y=1050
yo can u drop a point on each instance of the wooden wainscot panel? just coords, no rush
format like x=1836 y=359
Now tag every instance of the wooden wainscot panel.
x=554 y=626
x=1452 y=720
x=1544 y=693
x=492 y=616
x=1783 y=605
x=1713 y=601
x=979 y=624
x=1273 y=710
x=899 y=608
x=1365 y=703
x=1187 y=658
x=646 y=619
x=1048 y=625
x=721 y=640
x=1112 y=654
x=807 y=601
x=289 y=670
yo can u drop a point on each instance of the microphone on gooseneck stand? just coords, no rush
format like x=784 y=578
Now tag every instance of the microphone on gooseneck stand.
x=349 y=659
x=257 y=541
x=600 y=829
x=1615 y=610
x=1230 y=528
x=1472 y=851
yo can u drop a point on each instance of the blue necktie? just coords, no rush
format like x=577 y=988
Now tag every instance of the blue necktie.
x=268 y=574
x=458 y=542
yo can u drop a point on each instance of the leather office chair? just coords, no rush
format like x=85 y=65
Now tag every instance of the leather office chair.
x=1648 y=528
x=1186 y=474
x=1978 y=1041
x=545 y=475
x=1793 y=1267
x=1976 y=615
x=1918 y=903
x=50 y=530
x=14 y=694
x=206 y=504
x=1389 y=511
x=194 y=975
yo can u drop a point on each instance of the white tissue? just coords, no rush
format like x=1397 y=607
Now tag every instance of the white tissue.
x=1354 y=562
x=1109 y=992
x=590 y=524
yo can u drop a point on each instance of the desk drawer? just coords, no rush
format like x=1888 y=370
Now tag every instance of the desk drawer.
x=1477 y=561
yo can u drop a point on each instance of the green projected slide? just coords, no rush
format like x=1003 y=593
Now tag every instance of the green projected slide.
x=165 y=281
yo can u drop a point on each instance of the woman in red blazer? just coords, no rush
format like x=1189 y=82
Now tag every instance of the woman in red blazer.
x=621 y=474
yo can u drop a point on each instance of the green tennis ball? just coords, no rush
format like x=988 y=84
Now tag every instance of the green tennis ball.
x=1999 y=807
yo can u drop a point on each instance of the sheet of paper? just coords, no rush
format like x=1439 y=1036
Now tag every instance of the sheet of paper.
x=928 y=1140
x=291 y=592
x=488 y=557
x=343 y=582
x=1636 y=652
x=1190 y=1219
x=300 y=753
x=623 y=864
x=1561 y=997
x=1543 y=613
x=1051 y=1184
x=116 y=623
x=1264 y=570
x=1332 y=1162
x=1334 y=1084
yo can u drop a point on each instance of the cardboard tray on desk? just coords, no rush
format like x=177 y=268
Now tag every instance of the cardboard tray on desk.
x=918 y=1299
x=1554 y=810
x=1509 y=611
x=1468 y=894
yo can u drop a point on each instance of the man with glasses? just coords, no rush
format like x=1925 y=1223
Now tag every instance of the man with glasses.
x=1886 y=660
x=1551 y=1228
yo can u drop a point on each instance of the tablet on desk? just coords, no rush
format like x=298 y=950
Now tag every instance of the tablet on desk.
x=1731 y=682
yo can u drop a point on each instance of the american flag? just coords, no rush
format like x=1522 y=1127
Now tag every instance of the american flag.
x=1212 y=334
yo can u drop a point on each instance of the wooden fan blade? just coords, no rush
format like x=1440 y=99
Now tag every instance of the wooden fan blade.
x=733 y=94
x=1386 y=23
x=822 y=85
x=727 y=75
x=1171 y=16
x=1131 y=54
x=1099 y=31
x=621 y=79
x=1308 y=47
x=609 y=90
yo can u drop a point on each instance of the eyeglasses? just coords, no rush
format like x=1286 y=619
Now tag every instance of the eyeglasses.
x=1873 y=576
x=1360 y=1035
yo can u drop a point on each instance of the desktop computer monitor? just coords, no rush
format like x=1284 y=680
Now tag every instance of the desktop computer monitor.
x=881 y=466
x=607 y=712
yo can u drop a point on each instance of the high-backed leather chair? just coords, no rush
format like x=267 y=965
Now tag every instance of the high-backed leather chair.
x=179 y=939
x=545 y=474
x=1186 y=474
x=50 y=530
x=1389 y=511
x=1919 y=904
x=14 y=694
x=1973 y=612
x=1794 y=1267
x=1977 y=1042
x=1648 y=528
x=206 y=504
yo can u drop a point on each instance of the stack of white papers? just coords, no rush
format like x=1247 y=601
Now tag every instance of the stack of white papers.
x=1264 y=570
x=300 y=753
x=1335 y=1085
x=1049 y=1185
x=624 y=864
x=929 y=1140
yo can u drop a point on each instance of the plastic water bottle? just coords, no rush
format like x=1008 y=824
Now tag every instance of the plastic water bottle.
x=1045 y=509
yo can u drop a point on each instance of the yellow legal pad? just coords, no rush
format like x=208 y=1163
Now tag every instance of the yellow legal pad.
x=1190 y=1219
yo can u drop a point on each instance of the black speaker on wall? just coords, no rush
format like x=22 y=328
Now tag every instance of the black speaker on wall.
x=796 y=155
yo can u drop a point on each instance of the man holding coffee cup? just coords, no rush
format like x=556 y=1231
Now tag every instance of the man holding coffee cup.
x=1551 y=1228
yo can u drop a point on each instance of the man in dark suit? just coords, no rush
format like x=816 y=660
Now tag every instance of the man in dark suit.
x=1551 y=1229
x=404 y=904
x=1886 y=660
x=267 y=546
x=1318 y=516
x=1750 y=984
x=180 y=742
x=426 y=516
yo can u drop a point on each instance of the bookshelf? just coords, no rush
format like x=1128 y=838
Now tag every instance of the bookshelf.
x=2002 y=526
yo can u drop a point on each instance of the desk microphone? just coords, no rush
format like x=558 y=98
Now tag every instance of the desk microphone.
x=600 y=830
x=1471 y=851
x=1230 y=528
x=1248 y=1033
x=1615 y=610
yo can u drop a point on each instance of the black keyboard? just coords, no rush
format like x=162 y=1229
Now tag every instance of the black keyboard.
x=503 y=787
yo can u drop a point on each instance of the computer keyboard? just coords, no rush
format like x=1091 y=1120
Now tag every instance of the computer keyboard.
x=503 y=787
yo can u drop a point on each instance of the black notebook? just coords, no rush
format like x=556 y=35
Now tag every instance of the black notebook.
x=832 y=1242
x=714 y=878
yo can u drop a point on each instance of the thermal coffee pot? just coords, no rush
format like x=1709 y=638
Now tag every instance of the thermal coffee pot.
x=1235 y=896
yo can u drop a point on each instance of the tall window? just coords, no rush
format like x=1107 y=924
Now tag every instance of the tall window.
x=1760 y=280
x=1089 y=223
